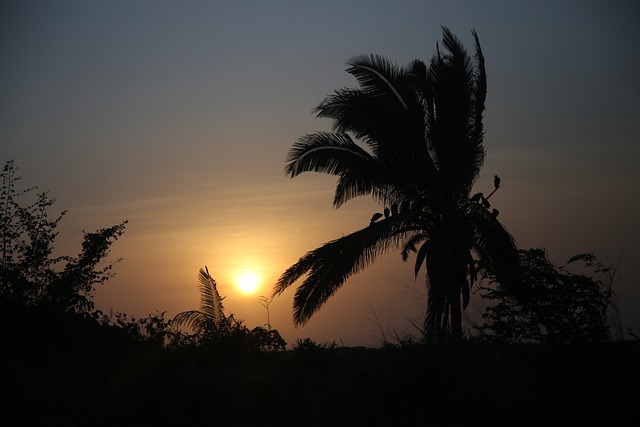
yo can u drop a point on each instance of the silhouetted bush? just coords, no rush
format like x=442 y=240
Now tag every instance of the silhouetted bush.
x=268 y=339
x=30 y=276
x=552 y=305
x=153 y=329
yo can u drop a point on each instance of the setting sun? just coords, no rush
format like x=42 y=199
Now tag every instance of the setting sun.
x=248 y=282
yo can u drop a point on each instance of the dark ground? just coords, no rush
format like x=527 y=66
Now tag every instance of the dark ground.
x=98 y=384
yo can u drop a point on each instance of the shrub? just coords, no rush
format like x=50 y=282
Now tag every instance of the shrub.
x=30 y=276
x=552 y=305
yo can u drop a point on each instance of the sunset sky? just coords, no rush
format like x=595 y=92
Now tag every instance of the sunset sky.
x=178 y=115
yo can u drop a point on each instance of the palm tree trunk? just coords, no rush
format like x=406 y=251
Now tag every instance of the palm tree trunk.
x=456 y=315
x=455 y=279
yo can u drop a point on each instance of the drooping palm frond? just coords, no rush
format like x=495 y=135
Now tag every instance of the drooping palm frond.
x=495 y=247
x=331 y=153
x=337 y=154
x=329 y=266
x=363 y=180
x=351 y=110
x=421 y=256
x=421 y=252
x=410 y=244
x=360 y=173
x=194 y=319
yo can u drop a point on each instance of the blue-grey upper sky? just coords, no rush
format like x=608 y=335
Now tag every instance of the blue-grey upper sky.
x=178 y=117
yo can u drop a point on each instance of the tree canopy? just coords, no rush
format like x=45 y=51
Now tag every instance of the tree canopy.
x=412 y=138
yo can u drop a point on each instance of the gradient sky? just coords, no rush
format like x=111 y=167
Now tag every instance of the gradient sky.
x=178 y=116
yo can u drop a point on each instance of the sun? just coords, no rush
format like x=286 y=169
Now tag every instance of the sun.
x=248 y=282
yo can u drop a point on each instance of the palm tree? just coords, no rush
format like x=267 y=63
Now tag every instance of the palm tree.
x=209 y=322
x=420 y=131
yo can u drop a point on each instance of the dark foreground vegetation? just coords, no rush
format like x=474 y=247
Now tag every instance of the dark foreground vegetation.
x=543 y=358
x=73 y=372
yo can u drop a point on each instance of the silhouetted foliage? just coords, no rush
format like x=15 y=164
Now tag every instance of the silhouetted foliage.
x=63 y=365
x=422 y=131
x=153 y=329
x=209 y=323
x=309 y=345
x=30 y=276
x=553 y=305
x=445 y=384
x=212 y=328
x=268 y=339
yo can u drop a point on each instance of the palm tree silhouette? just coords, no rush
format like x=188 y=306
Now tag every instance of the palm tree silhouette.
x=422 y=129
x=209 y=322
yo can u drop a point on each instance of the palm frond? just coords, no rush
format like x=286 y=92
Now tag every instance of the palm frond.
x=329 y=266
x=372 y=120
x=410 y=245
x=393 y=134
x=378 y=77
x=480 y=89
x=392 y=118
x=359 y=181
x=331 y=153
x=416 y=73
x=351 y=110
x=495 y=246
x=191 y=318
x=210 y=300
x=454 y=118
x=456 y=52
x=211 y=312
x=421 y=256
